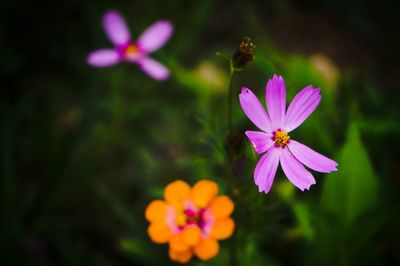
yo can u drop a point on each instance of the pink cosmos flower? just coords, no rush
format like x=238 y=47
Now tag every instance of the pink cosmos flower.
x=137 y=52
x=275 y=140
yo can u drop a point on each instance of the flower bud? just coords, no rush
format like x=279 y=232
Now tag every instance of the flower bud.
x=243 y=54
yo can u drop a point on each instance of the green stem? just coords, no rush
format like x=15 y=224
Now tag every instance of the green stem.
x=230 y=99
x=233 y=245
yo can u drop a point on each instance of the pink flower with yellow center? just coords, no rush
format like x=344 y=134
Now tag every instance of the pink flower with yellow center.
x=274 y=139
x=191 y=220
x=137 y=52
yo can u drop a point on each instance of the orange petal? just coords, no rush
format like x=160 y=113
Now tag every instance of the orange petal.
x=177 y=244
x=176 y=192
x=156 y=211
x=221 y=207
x=159 y=232
x=204 y=192
x=223 y=229
x=191 y=235
x=207 y=249
x=181 y=257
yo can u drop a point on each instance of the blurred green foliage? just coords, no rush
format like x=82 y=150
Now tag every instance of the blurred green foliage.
x=84 y=150
x=346 y=197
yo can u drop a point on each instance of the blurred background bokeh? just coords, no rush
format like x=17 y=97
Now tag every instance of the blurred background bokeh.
x=83 y=150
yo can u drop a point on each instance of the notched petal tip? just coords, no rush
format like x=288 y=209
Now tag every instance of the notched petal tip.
x=312 y=159
x=308 y=187
x=248 y=134
x=252 y=107
x=262 y=189
x=334 y=168
x=245 y=90
x=315 y=91
x=276 y=77
x=302 y=106
x=275 y=96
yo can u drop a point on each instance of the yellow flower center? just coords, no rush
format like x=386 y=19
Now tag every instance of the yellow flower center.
x=181 y=219
x=281 y=138
x=131 y=50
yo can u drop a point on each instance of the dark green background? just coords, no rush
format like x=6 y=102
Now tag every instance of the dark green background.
x=84 y=150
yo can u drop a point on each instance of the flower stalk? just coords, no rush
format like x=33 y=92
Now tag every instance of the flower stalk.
x=234 y=140
x=230 y=99
x=240 y=58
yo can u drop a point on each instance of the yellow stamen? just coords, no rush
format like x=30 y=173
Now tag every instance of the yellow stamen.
x=131 y=50
x=281 y=138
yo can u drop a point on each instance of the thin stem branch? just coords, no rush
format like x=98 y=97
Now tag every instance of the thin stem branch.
x=230 y=99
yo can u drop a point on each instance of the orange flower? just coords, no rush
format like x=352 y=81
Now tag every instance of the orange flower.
x=191 y=220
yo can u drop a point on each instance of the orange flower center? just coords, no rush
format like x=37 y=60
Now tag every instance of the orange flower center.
x=132 y=49
x=280 y=137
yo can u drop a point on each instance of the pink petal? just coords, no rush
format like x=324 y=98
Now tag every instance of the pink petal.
x=275 y=97
x=295 y=171
x=265 y=171
x=153 y=68
x=155 y=36
x=302 y=105
x=116 y=28
x=311 y=158
x=254 y=110
x=261 y=141
x=103 y=58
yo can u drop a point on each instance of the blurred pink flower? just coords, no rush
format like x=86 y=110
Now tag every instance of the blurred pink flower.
x=137 y=52
x=274 y=138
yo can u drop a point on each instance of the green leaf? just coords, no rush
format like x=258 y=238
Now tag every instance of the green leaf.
x=303 y=218
x=224 y=57
x=352 y=190
x=132 y=246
